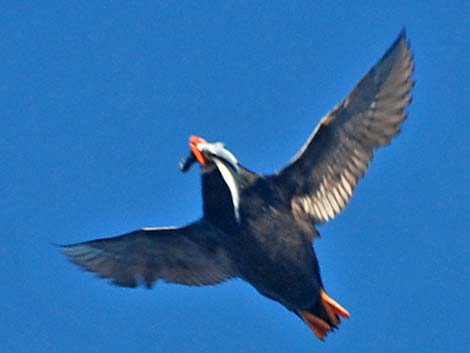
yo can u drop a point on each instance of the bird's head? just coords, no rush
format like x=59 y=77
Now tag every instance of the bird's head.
x=209 y=155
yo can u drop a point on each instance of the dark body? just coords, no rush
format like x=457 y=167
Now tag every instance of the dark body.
x=273 y=250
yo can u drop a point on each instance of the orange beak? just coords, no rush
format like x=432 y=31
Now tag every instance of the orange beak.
x=193 y=142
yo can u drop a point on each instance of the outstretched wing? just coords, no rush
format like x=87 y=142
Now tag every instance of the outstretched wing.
x=192 y=255
x=321 y=178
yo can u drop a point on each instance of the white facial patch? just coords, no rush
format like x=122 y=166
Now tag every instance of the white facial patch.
x=230 y=178
x=228 y=168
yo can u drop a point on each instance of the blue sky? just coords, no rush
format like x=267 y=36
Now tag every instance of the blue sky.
x=98 y=101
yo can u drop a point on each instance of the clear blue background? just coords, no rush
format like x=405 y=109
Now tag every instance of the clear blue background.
x=97 y=103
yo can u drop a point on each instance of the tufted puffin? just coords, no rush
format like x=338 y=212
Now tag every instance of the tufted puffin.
x=260 y=228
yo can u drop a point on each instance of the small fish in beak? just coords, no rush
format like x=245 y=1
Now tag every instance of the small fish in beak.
x=187 y=162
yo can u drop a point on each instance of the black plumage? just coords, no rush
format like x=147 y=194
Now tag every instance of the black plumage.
x=260 y=228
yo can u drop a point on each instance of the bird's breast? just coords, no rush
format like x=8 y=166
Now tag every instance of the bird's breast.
x=277 y=256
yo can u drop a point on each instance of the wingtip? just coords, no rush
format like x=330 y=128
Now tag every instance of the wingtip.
x=402 y=34
x=402 y=38
x=63 y=248
x=59 y=247
x=399 y=50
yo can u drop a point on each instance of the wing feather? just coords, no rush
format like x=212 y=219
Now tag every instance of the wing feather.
x=321 y=178
x=197 y=254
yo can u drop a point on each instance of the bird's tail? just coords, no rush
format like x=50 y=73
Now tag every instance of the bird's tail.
x=325 y=316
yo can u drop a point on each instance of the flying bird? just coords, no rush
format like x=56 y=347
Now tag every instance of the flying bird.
x=261 y=228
